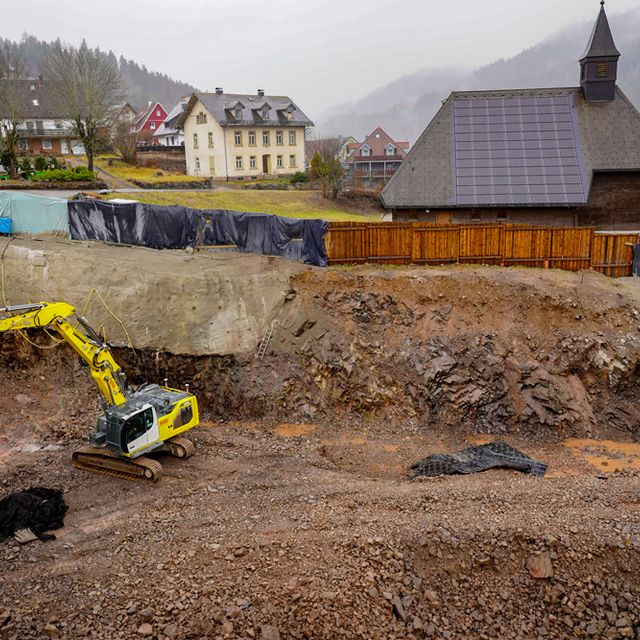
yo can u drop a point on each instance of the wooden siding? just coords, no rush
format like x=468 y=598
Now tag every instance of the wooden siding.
x=569 y=248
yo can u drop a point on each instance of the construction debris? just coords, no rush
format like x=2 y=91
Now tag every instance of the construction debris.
x=474 y=459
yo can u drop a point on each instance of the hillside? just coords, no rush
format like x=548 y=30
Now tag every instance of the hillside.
x=140 y=84
x=404 y=107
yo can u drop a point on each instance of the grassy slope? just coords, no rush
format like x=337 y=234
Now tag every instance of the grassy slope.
x=292 y=204
x=127 y=172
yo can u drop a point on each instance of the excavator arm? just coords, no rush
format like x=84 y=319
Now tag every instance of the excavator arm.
x=54 y=316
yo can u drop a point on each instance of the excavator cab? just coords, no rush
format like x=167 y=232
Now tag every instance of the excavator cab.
x=139 y=430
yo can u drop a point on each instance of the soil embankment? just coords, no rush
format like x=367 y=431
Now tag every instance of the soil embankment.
x=295 y=518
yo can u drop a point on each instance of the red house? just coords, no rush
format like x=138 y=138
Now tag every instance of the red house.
x=148 y=120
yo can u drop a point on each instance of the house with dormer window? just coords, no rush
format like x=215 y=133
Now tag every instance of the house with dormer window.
x=375 y=159
x=241 y=136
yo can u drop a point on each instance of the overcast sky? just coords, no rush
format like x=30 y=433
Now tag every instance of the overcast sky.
x=319 y=52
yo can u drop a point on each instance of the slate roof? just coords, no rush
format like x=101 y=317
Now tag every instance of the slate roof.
x=168 y=126
x=601 y=40
x=37 y=98
x=221 y=107
x=524 y=147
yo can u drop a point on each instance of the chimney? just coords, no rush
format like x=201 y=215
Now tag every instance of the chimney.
x=261 y=93
x=219 y=91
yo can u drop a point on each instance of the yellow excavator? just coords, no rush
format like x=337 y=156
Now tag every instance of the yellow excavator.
x=134 y=422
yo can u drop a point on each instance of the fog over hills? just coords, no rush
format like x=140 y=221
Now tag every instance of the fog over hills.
x=140 y=84
x=405 y=106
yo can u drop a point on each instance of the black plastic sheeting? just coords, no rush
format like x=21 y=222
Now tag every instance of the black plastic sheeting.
x=474 y=459
x=39 y=509
x=635 y=269
x=176 y=227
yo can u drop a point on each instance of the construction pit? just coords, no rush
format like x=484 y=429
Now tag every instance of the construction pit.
x=295 y=517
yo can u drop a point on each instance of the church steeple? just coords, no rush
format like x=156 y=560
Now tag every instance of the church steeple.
x=599 y=64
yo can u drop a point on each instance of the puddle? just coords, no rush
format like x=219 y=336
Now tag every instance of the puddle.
x=608 y=456
x=477 y=439
x=287 y=430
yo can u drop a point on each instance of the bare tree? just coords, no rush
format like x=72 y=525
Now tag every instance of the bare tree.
x=326 y=166
x=124 y=141
x=86 y=85
x=13 y=71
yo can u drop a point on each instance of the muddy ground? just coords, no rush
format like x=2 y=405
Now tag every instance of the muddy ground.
x=295 y=518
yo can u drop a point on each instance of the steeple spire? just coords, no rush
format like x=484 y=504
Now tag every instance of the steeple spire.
x=599 y=64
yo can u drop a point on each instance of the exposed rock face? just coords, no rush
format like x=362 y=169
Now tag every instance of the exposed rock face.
x=490 y=350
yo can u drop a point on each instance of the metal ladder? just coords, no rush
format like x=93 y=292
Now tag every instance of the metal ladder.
x=264 y=343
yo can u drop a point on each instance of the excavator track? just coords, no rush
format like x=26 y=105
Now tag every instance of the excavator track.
x=109 y=463
x=180 y=447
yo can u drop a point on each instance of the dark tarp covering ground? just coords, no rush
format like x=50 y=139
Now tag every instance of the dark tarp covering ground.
x=480 y=458
x=39 y=509
x=176 y=227
x=635 y=268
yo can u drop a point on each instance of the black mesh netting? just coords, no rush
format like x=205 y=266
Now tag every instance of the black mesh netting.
x=473 y=459
x=39 y=509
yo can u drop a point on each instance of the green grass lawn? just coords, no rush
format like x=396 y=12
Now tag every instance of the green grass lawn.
x=291 y=204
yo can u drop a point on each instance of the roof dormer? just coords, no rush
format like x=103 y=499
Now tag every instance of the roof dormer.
x=236 y=109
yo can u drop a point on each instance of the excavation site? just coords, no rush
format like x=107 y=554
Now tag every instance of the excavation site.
x=311 y=506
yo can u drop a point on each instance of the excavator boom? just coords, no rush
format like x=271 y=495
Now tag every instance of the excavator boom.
x=105 y=371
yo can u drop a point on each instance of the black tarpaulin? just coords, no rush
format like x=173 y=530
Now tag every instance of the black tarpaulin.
x=139 y=224
x=635 y=269
x=474 y=459
x=175 y=227
x=38 y=508
x=294 y=238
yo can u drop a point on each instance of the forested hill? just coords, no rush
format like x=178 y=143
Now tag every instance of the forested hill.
x=405 y=107
x=140 y=84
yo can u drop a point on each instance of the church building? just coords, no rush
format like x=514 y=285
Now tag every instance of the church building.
x=561 y=156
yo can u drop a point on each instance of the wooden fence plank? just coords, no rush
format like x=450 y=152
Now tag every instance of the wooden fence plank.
x=481 y=244
x=390 y=243
x=612 y=255
x=528 y=246
x=435 y=244
x=570 y=248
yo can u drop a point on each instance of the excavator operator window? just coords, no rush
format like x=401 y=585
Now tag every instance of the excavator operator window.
x=137 y=426
x=184 y=417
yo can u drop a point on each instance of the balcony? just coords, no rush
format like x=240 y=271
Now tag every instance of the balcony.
x=49 y=132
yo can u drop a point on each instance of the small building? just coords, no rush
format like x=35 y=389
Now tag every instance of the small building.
x=43 y=129
x=168 y=134
x=564 y=156
x=240 y=136
x=148 y=121
x=374 y=160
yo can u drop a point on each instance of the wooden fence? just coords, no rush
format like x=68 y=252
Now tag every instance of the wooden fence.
x=571 y=248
